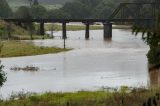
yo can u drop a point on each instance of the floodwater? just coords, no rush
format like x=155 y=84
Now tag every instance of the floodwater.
x=91 y=65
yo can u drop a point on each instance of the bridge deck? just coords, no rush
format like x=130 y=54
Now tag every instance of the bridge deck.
x=74 y=20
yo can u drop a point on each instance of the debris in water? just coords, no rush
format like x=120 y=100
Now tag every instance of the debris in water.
x=27 y=68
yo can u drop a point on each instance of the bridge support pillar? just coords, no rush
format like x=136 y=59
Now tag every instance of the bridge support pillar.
x=107 y=30
x=42 y=28
x=87 y=31
x=64 y=34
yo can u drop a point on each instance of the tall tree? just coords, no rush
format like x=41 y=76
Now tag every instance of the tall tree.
x=30 y=2
x=5 y=10
x=23 y=12
x=35 y=2
x=38 y=11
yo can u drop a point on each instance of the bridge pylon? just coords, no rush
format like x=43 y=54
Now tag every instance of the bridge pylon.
x=107 y=30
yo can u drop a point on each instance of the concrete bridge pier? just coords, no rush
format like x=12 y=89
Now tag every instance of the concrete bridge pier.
x=87 y=31
x=107 y=30
x=42 y=28
x=64 y=34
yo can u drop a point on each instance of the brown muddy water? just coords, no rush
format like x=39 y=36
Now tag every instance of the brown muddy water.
x=91 y=65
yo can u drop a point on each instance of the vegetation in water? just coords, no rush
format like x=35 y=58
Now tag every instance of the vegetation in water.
x=18 y=48
x=27 y=68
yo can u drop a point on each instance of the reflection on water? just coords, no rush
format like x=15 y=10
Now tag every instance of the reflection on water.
x=93 y=64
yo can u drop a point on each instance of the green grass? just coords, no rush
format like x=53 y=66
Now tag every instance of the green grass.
x=19 y=48
x=82 y=98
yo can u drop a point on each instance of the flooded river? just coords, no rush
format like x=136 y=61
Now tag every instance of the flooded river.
x=92 y=64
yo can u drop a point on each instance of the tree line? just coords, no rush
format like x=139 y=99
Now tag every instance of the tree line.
x=73 y=9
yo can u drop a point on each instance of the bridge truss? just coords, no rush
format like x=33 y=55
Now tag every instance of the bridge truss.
x=135 y=11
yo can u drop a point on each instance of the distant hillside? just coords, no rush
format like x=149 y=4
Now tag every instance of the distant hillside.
x=41 y=1
x=49 y=4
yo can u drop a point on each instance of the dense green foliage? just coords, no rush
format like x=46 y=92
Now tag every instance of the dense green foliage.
x=93 y=8
x=23 y=12
x=151 y=35
x=76 y=8
x=38 y=11
x=88 y=8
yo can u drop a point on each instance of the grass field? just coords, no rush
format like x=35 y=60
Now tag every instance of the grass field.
x=19 y=48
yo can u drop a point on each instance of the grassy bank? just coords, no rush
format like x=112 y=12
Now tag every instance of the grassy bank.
x=57 y=27
x=83 y=98
x=17 y=32
x=19 y=48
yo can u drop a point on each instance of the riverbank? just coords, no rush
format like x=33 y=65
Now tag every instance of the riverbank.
x=58 y=27
x=137 y=97
x=21 y=48
x=14 y=32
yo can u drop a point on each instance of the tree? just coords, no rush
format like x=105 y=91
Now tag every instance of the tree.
x=30 y=2
x=151 y=35
x=77 y=10
x=23 y=12
x=38 y=11
x=8 y=30
x=5 y=10
x=57 y=14
x=35 y=2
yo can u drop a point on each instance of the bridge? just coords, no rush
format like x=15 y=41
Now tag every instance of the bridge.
x=126 y=12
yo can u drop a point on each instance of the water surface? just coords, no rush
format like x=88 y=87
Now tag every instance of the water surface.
x=92 y=64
